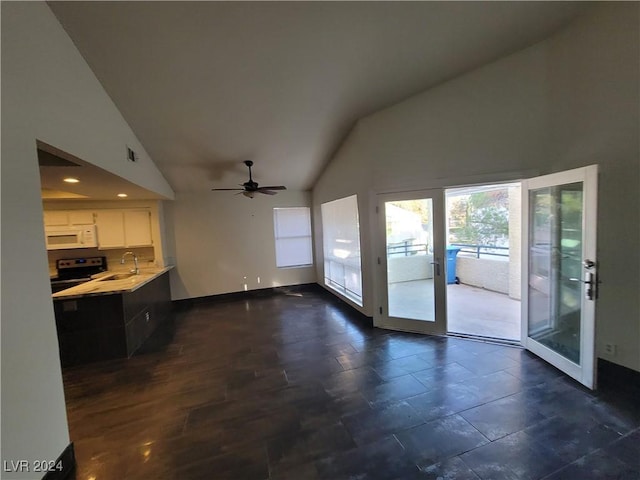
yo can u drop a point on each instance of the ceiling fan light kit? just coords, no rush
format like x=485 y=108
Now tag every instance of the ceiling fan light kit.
x=250 y=187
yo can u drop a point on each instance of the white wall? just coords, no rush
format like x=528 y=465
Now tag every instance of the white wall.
x=515 y=242
x=569 y=101
x=225 y=241
x=50 y=94
x=407 y=269
x=489 y=273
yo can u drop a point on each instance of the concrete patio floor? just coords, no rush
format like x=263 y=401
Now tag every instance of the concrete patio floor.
x=471 y=310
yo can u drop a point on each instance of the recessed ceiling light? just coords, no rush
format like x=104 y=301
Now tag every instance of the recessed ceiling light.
x=122 y=195
x=71 y=180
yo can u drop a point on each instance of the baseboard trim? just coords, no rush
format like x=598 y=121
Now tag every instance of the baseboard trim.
x=67 y=462
x=187 y=303
x=612 y=375
x=292 y=290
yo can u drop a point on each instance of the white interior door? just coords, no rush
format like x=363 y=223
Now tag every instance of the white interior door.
x=559 y=277
x=411 y=261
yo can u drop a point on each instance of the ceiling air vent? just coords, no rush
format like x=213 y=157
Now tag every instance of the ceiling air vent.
x=131 y=155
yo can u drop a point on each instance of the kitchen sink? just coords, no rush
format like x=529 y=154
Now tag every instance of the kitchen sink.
x=117 y=276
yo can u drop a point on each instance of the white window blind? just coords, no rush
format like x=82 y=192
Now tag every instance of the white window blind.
x=292 y=227
x=341 y=241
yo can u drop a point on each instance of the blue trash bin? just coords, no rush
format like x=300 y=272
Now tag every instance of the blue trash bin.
x=452 y=253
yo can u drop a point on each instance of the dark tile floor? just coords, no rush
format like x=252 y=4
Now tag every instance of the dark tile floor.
x=298 y=387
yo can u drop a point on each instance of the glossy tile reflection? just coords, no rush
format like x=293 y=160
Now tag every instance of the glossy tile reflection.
x=299 y=387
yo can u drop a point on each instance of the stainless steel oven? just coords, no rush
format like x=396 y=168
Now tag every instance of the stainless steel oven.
x=74 y=271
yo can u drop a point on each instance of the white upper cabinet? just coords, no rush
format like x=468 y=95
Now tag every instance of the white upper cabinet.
x=137 y=228
x=55 y=218
x=124 y=228
x=81 y=217
x=110 y=227
x=116 y=228
x=67 y=218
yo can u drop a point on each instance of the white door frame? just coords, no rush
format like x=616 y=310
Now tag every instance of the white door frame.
x=584 y=373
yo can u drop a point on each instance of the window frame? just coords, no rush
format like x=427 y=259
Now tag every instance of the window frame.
x=278 y=237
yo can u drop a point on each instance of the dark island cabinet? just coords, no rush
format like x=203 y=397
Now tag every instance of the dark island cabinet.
x=103 y=327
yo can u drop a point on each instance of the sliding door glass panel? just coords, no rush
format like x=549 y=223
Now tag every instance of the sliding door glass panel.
x=555 y=268
x=409 y=252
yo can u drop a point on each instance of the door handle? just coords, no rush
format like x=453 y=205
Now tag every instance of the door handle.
x=436 y=263
x=590 y=285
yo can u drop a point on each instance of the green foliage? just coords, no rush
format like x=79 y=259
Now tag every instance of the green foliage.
x=482 y=218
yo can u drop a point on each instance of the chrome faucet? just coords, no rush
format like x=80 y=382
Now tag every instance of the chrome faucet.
x=136 y=270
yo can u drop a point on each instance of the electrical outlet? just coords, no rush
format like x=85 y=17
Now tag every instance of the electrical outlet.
x=610 y=349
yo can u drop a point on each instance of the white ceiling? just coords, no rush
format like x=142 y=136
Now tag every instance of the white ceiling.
x=206 y=85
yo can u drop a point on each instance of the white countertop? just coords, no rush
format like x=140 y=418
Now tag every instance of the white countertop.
x=107 y=283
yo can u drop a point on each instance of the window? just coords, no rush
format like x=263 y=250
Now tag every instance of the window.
x=292 y=227
x=341 y=241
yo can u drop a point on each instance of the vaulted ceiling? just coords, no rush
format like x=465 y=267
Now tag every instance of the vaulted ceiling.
x=206 y=85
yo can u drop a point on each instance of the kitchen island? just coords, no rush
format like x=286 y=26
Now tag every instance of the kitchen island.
x=110 y=316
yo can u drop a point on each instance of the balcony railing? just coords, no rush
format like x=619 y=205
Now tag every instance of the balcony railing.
x=478 y=250
x=406 y=249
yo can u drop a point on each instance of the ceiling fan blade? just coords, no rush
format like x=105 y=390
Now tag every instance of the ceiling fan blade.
x=249 y=188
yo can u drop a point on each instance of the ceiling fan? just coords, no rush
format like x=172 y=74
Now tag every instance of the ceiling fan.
x=250 y=187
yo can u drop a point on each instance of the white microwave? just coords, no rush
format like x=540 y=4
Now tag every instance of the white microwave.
x=59 y=238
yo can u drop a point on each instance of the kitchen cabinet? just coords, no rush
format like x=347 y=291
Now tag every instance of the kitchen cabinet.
x=144 y=309
x=67 y=218
x=125 y=228
x=117 y=228
x=110 y=227
x=102 y=327
x=137 y=228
